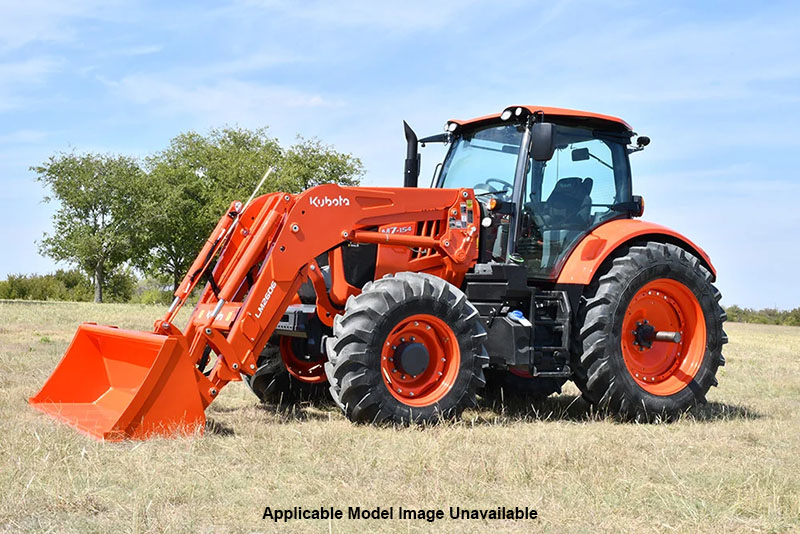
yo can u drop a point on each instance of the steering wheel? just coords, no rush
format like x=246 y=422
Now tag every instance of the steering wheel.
x=504 y=191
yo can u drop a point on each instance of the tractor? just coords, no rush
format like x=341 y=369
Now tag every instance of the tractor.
x=524 y=265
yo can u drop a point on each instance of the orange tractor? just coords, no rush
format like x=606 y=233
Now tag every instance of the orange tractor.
x=524 y=267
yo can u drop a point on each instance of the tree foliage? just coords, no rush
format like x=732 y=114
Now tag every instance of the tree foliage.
x=194 y=180
x=764 y=316
x=114 y=214
x=72 y=285
x=100 y=199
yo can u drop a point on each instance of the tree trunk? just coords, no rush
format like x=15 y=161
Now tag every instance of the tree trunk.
x=99 y=280
x=176 y=279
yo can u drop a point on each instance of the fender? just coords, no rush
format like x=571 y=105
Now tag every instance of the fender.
x=590 y=253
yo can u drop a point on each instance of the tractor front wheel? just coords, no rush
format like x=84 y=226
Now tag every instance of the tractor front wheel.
x=287 y=373
x=409 y=348
x=649 y=337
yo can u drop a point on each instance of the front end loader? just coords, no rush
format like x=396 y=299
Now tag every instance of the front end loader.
x=523 y=267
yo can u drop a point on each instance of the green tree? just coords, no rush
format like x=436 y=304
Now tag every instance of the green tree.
x=193 y=181
x=96 y=226
x=309 y=162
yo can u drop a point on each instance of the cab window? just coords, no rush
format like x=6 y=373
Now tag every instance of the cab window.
x=568 y=195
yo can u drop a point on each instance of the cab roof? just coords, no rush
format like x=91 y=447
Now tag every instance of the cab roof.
x=613 y=122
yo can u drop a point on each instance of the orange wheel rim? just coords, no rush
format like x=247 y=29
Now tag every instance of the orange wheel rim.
x=311 y=371
x=420 y=360
x=664 y=368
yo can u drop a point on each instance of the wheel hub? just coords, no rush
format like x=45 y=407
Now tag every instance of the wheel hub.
x=644 y=335
x=412 y=358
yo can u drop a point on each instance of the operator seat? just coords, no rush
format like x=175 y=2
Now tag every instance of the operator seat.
x=569 y=205
x=566 y=216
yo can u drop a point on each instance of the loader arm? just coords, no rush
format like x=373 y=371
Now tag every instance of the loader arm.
x=271 y=252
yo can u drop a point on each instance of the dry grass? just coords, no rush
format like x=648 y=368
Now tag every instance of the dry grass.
x=733 y=466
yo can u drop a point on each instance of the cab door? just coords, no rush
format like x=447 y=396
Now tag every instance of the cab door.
x=569 y=195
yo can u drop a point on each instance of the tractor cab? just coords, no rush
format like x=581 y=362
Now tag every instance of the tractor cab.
x=545 y=177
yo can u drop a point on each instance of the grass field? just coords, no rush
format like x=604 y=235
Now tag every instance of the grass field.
x=732 y=466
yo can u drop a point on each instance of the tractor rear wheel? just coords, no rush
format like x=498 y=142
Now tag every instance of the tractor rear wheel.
x=649 y=336
x=409 y=348
x=286 y=374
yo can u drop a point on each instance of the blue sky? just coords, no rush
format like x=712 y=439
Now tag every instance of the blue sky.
x=716 y=85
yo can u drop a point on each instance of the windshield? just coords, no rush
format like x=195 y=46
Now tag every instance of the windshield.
x=484 y=160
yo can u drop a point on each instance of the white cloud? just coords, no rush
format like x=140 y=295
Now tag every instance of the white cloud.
x=29 y=21
x=220 y=101
x=410 y=15
x=24 y=136
x=17 y=76
x=141 y=50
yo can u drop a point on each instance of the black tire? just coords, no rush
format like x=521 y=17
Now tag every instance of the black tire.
x=515 y=386
x=273 y=384
x=601 y=371
x=354 y=352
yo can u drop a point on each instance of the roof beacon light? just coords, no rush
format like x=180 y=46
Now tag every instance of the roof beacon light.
x=505 y=115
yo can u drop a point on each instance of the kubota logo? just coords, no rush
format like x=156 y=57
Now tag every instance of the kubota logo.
x=327 y=202
x=264 y=301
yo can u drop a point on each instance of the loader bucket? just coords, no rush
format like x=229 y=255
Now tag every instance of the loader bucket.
x=115 y=384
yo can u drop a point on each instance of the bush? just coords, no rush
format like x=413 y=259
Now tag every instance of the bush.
x=119 y=287
x=152 y=291
x=61 y=285
x=66 y=285
x=765 y=316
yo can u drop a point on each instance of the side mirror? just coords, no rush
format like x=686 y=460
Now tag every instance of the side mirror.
x=580 y=154
x=634 y=207
x=543 y=141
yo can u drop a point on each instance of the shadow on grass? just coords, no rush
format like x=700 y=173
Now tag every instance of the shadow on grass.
x=493 y=412
x=216 y=428
x=317 y=408
x=574 y=408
